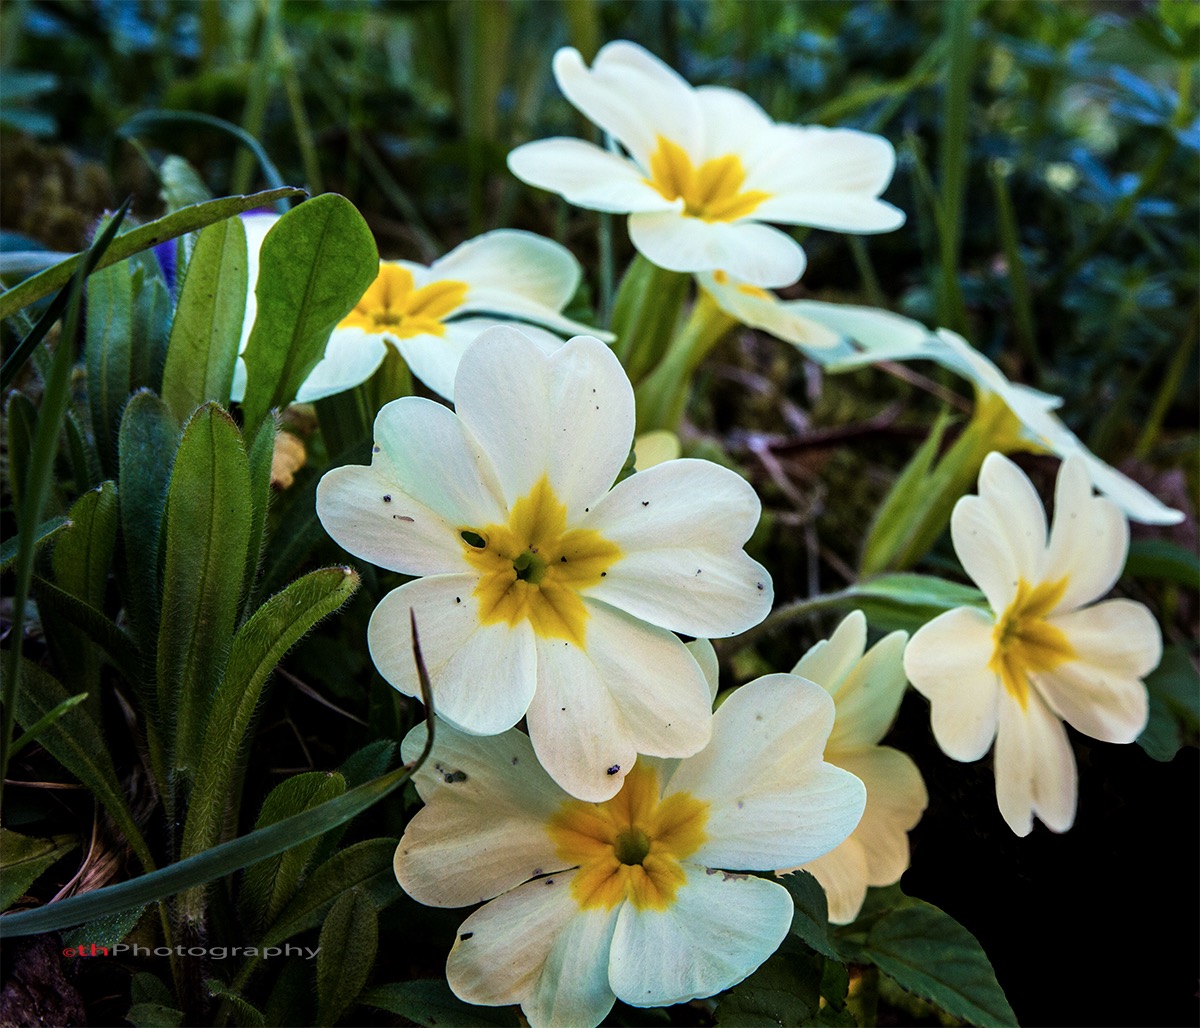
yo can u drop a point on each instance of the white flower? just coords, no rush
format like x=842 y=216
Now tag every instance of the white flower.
x=430 y=314
x=548 y=596
x=590 y=902
x=867 y=689
x=814 y=325
x=1041 y=656
x=706 y=169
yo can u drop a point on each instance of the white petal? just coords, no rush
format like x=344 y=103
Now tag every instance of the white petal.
x=703 y=653
x=502 y=947
x=896 y=799
x=483 y=676
x=1018 y=511
x=772 y=801
x=1035 y=768
x=587 y=176
x=511 y=261
x=351 y=357
x=368 y=515
x=483 y=830
x=842 y=873
x=634 y=689
x=754 y=253
x=573 y=987
x=829 y=661
x=1137 y=502
x=257 y=226
x=680 y=527
x=633 y=96
x=568 y=415
x=717 y=931
x=733 y=124
x=882 y=334
x=827 y=178
x=1089 y=540
x=1118 y=643
x=947 y=662
x=869 y=698
x=762 y=310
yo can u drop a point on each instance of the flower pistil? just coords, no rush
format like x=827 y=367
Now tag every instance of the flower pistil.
x=711 y=192
x=1025 y=641
x=394 y=305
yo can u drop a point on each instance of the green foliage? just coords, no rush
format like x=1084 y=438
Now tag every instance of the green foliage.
x=349 y=939
x=1174 y=719
x=83 y=554
x=315 y=264
x=44 y=532
x=23 y=859
x=430 y=1002
x=208 y=321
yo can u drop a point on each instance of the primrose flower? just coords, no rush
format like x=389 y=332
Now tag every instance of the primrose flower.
x=867 y=689
x=546 y=595
x=814 y=325
x=706 y=169
x=430 y=314
x=591 y=902
x=1040 y=656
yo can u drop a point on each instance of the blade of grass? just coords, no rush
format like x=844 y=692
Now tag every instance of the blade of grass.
x=953 y=154
x=179 y=223
x=1022 y=301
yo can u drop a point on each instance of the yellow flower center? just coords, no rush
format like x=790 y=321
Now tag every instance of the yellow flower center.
x=534 y=569
x=391 y=304
x=630 y=847
x=712 y=192
x=1025 y=641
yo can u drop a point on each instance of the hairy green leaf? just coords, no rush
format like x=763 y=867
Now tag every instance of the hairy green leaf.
x=207 y=535
x=208 y=321
x=83 y=555
x=810 y=914
x=314 y=266
x=108 y=356
x=44 y=532
x=348 y=943
x=23 y=859
x=430 y=1002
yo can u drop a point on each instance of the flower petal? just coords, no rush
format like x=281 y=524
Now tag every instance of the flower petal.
x=483 y=830
x=762 y=310
x=947 y=662
x=896 y=799
x=733 y=124
x=703 y=653
x=257 y=226
x=842 y=873
x=634 y=689
x=718 y=930
x=1101 y=694
x=351 y=357
x=870 y=696
x=573 y=987
x=633 y=96
x=827 y=178
x=1035 y=768
x=587 y=176
x=801 y=809
x=680 y=527
x=568 y=415
x=483 y=676
x=754 y=253
x=1089 y=540
x=829 y=661
x=502 y=947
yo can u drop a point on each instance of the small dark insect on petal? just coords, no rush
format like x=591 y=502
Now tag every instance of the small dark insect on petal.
x=465 y=936
x=613 y=770
x=387 y=497
x=645 y=503
x=401 y=517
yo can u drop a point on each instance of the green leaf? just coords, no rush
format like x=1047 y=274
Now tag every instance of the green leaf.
x=784 y=992
x=44 y=532
x=268 y=886
x=111 y=638
x=153 y=310
x=348 y=943
x=257 y=648
x=895 y=515
x=21 y=419
x=314 y=266
x=189 y=219
x=42 y=723
x=154 y=1015
x=245 y=1011
x=105 y=931
x=907 y=601
x=83 y=556
x=1163 y=560
x=208 y=321
x=430 y=1002
x=108 y=356
x=366 y=866
x=182 y=184
x=1174 y=705
x=76 y=742
x=207 y=535
x=148 y=441
x=23 y=859
x=810 y=916
x=261 y=457
x=369 y=762
x=928 y=953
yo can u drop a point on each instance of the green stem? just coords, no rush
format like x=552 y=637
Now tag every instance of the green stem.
x=1170 y=386
x=954 y=157
x=258 y=93
x=662 y=395
x=782 y=616
x=645 y=311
